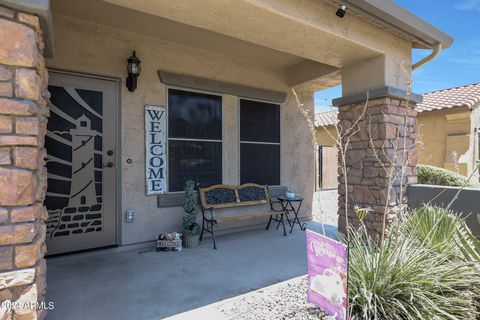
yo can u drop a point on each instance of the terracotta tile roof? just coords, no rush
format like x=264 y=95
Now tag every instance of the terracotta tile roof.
x=326 y=118
x=465 y=96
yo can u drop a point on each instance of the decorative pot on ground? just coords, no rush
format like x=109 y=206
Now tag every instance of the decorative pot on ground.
x=191 y=242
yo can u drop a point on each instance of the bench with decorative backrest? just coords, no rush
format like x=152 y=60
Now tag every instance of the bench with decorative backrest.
x=222 y=196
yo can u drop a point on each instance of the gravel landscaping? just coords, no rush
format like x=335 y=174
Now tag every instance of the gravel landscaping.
x=282 y=301
x=286 y=300
x=326 y=206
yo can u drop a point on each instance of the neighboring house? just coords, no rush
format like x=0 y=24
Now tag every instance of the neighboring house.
x=448 y=128
x=214 y=102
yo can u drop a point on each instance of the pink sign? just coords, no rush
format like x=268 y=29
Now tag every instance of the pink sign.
x=327 y=274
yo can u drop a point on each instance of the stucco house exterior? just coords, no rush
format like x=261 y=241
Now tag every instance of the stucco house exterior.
x=448 y=129
x=86 y=162
x=448 y=123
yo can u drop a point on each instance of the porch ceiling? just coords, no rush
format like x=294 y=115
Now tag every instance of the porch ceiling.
x=297 y=69
x=303 y=28
x=165 y=29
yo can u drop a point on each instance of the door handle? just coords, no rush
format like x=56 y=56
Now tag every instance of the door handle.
x=108 y=165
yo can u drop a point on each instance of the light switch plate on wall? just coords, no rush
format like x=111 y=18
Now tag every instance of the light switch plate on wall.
x=130 y=216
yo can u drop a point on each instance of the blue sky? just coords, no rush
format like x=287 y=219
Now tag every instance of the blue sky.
x=457 y=65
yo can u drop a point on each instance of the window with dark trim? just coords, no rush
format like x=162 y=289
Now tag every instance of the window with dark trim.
x=259 y=142
x=194 y=139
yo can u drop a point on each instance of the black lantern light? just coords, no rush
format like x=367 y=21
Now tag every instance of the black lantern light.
x=134 y=70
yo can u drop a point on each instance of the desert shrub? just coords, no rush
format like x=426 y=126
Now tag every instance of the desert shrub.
x=442 y=177
x=436 y=228
x=416 y=273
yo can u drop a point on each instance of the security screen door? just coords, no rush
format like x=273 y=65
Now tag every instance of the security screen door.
x=80 y=143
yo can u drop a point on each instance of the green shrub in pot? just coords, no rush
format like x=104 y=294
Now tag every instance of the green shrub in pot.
x=191 y=229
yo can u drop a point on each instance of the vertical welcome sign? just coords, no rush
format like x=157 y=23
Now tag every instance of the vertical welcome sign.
x=155 y=143
x=327 y=274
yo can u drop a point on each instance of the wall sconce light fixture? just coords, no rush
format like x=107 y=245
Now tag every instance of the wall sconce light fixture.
x=134 y=70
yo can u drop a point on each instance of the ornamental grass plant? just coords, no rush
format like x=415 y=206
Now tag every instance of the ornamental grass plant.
x=436 y=228
x=424 y=269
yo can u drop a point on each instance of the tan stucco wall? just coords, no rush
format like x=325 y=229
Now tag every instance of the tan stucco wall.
x=95 y=49
x=446 y=140
x=474 y=154
x=432 y=135
x=324 y=135
x=476 y=136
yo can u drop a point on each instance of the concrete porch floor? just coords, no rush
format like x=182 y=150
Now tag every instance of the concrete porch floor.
x=142 y=284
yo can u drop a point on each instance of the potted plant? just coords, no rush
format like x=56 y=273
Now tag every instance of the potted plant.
x=191 y=229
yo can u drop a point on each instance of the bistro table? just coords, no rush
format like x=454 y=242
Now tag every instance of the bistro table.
x=288 y=206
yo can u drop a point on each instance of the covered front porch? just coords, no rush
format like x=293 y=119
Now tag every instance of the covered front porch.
x=235 y=82
x=140 y=283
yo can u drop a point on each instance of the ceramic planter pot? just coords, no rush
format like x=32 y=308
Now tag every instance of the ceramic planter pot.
x=192 y=241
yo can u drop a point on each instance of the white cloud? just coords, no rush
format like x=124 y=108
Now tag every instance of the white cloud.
x=466 y=5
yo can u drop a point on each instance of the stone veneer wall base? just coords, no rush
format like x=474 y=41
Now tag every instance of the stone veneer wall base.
x=23 y=176
x=388 y=124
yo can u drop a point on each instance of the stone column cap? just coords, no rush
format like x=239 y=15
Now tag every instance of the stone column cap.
x=382 y=92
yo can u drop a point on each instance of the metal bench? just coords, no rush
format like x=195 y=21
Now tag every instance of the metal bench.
x=222 y=196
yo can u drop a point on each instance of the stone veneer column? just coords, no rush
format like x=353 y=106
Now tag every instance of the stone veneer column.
x=389 y=119
x=23 y=112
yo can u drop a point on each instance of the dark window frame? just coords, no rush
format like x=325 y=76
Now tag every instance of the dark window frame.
x=279 y=143
x=168 y=88
x=319 y=166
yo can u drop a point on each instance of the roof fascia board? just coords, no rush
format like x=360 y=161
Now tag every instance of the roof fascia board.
x=396 y=17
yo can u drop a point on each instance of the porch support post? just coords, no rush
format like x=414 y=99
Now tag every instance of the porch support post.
x=381 y=156
x=23 y=119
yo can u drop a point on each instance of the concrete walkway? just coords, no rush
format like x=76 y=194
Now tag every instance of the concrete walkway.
x=142 y=284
